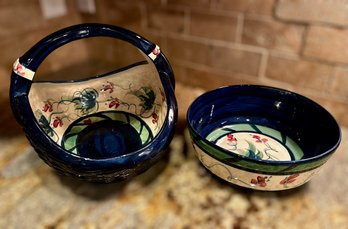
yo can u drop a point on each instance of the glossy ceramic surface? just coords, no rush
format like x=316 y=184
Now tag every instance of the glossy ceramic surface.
x=261 y=137
x=105 y=128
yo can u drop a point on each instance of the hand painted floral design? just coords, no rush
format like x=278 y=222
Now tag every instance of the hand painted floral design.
x=156 y=51
x=45 y=125
x=19 y=69
x=147 y=97
x=86 y=100
x=260 y=181
x=58 y=121
x=48 y=106
x=252 y=145
x=109 y=86
x=268 y=150
x=259 y=140
x=115 y=102
x=155 y=118
x=231 y=138
x=289 y=179
x=231 y=141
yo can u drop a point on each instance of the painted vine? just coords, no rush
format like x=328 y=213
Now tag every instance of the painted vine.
x=87 y=101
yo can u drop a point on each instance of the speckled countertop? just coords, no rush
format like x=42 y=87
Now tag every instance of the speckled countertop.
x=176 y=193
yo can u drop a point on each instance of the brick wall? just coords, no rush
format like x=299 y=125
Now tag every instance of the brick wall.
x=297 y=45
x=21 y=25
x=300 y=45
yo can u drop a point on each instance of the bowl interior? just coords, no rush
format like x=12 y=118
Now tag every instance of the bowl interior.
x=263 y=123
x=105 y=116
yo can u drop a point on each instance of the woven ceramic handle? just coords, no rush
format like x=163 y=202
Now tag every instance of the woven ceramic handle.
x=24 y=68
x=26 y=65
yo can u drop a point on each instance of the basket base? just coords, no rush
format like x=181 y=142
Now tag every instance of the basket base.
x=107 y=139
x=106 y=135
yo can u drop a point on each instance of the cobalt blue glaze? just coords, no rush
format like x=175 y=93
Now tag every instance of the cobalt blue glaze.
x=100 y=169
x=307 y=123
x=108 y=139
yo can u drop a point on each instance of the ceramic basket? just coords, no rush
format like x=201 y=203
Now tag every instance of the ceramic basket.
x=105 y=128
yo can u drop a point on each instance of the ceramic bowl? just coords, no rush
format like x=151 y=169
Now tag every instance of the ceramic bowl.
x=261 y=137
x=105 y=128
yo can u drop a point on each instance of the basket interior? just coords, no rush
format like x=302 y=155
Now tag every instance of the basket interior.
x=105 y=116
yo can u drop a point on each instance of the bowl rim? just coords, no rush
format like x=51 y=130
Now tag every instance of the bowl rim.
x=264 y=162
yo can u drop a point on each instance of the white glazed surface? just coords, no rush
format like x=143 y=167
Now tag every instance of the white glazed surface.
x=119 y=91
x=266 y=147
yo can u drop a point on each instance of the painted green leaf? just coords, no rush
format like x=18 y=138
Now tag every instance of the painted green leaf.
x=251 y=146
x=252 y=152
x=147 y=97
x=86 y=100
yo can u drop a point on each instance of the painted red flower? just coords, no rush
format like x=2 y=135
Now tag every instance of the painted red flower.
x=289 y=179
x=108 y=87
x=87 y=121
x=259 y=140
x=114 y=103
x=20 y=70
x=231 y=138
x=57 y=122
x=155 y=117
x=156 y=51
x=48 y=107
x=261 y=181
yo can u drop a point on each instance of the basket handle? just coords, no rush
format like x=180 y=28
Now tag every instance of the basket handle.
x=26 y=65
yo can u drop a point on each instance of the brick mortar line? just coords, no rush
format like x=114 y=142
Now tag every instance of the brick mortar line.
x=175 y=7
x=302 y=22
x=326 y=62
x=300 y=57
x=333 y=79
x=144 y=24
x=308 y=91
x=221 y=43
x=266 y=81
x=187 y=20
x=305 y=90
x=216 y=12
x=212 y=4
x=289 y=55
x=202 y=67
x=304 y=40
x=311 y=91
x=311 y=23
x=263 y=65
x=259 y=17
x=239 y=29
x=276 y=83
